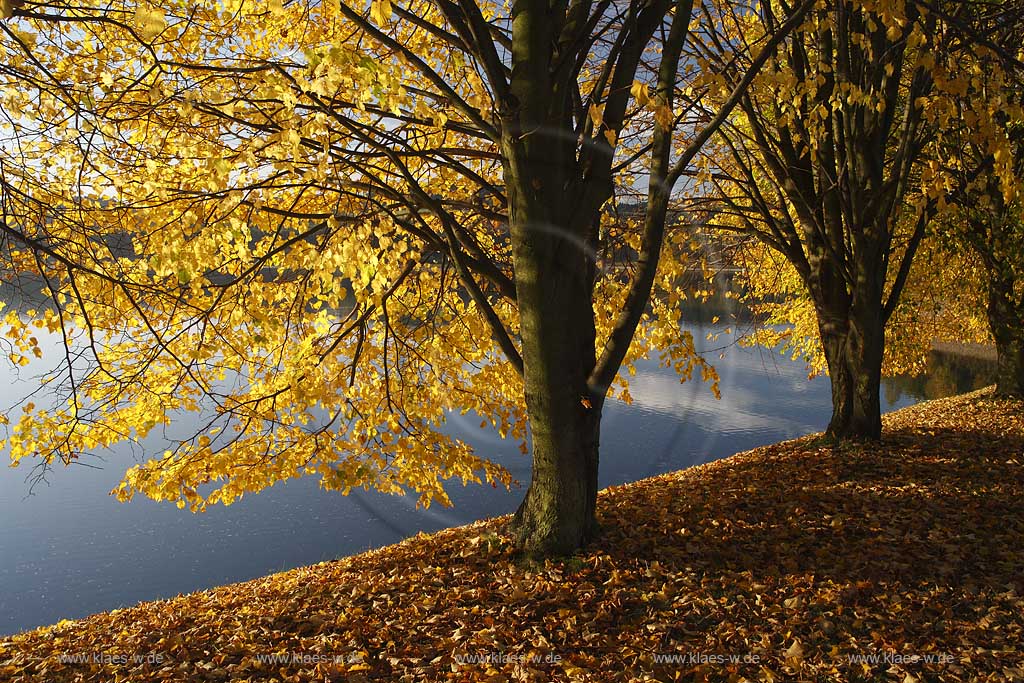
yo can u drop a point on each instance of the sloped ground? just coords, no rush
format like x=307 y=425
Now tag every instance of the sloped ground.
x=903 y=562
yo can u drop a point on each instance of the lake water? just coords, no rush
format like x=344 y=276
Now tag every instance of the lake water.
x=70 y=549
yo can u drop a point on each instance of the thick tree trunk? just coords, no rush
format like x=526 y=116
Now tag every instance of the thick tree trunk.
x=556 y=189
x=556 y=320
x=866 y=344
x=557 y=330
x=1007 y=325
x=1010 y=365
x=554 y=281
x=853 y=341
x=558 y=514
x=553 y=276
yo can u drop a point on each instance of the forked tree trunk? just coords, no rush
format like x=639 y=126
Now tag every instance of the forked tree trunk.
x=554 y=280
x=555 y=193
x=853 y=341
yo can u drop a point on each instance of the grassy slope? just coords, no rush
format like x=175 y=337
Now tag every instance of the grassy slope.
x=796 y=554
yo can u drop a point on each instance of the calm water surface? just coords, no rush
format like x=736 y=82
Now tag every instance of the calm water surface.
x=70 y=549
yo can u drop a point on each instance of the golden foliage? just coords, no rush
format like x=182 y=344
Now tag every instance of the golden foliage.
x=944 y=301
x=817 y=212
x=283 y=177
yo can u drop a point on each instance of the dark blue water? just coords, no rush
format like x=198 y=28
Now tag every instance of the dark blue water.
x=70 y=549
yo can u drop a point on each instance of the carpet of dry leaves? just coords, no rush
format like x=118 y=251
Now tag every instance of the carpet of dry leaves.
x=794 y=562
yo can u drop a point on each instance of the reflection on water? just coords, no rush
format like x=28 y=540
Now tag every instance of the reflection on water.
x=70 y=549
x=948 y=374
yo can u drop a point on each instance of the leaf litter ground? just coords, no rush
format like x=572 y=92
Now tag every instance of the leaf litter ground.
x=899 y=561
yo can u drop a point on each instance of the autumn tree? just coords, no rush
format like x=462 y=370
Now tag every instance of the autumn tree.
x=830 y=165
x=994 y=230
x=988 y=220
x=942 y=302
x=344 y=221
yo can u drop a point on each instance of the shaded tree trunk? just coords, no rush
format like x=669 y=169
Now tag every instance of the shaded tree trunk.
x=866 y=346
x=853 y=353
x=554 y=277
x=834 y=345
x=852 y=331
x=557 y=516
x=556 y=189
x=553 y=285
x=549 y=222
x=554 y=281
x=854 y=360
x=828 y=190
x=1006 y=321
x=994 y=234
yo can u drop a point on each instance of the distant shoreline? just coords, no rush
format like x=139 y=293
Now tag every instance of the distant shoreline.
x=980 y=351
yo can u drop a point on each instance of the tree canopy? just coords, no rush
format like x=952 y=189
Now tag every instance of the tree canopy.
x=839 y=162
x=322 y=226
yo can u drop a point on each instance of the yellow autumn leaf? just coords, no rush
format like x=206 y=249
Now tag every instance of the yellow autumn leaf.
x=639 y=93
x=663 y=116
x=150 y=20
x=380 y=11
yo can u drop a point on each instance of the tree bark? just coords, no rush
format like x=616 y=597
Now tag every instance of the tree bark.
x=556 y=188
x=1007 y=325
x=853 y=340
x=554 y=277
x=557 y=516
x=834 y=345
x=854 y=360
x=558 y=347
x=835 y=188
x=866 y=344
x=549 y=223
